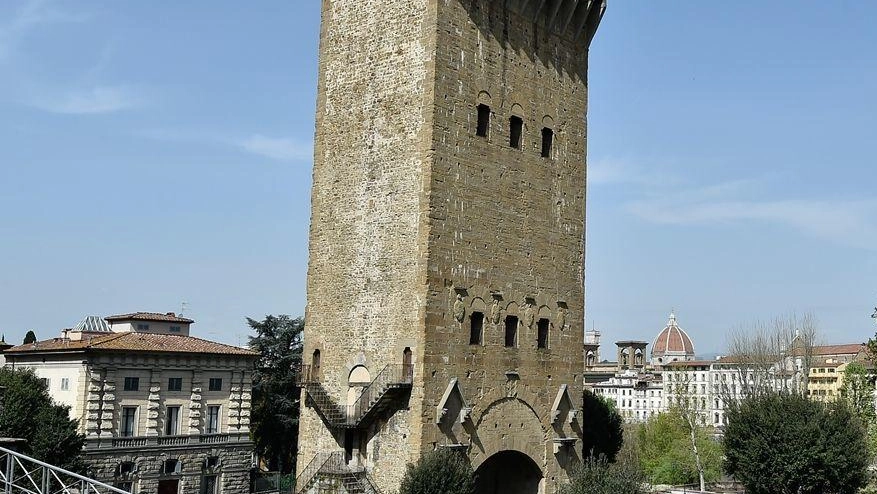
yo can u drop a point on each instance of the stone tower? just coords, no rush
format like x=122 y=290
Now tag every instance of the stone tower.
x=445 y=284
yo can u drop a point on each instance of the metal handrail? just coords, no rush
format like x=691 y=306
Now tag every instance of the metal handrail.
x=317 y=463
x=43 y=483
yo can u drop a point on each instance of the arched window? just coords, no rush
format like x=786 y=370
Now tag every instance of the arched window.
x=315 y=366
x=547 y=142
x=483 y=120
x=476 y=328
x=407 y=365
x=516 y=131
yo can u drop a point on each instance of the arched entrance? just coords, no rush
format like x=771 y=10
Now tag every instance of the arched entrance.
x=508 y=472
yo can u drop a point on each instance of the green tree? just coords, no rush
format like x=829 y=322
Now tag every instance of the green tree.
x=275 y=405
x=29 y=338
x=857 y=391
x=598 y=476
x=29 y=413
x=439 y=472
x=786 y=443
x=602 y=427
x=663 y=445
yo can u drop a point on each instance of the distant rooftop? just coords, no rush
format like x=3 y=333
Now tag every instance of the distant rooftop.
x=132 y=342
x=149 y=316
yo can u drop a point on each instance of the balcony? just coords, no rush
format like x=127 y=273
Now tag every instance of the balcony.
x=162 y=442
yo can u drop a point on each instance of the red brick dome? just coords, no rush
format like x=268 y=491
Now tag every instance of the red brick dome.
x=672 y=344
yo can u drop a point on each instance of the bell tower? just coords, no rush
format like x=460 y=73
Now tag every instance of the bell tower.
x=446 y=272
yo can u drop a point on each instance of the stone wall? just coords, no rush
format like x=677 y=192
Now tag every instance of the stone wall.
x=417 y=223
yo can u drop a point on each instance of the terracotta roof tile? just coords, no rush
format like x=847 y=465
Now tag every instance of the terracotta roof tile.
x=848 y=349
x=133 y=342
x=149 y=316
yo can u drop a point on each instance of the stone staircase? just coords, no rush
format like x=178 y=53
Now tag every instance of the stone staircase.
x=327 y=472
x=383 y=392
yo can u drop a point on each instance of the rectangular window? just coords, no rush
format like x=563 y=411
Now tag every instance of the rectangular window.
x=171 y=466
x=215 y=384
x=209 y=485
x=213 y=419
x=175 y=384
x=542 y=333
x=176 y=329
x=132 y=384
x=143 y=327
x=46 y=382
x=172 y=421
x=483 y=120
x=129 y=421
x=547 y=142
x=516 y=130
x=476 y=320
x=511 y=331
x=65 y=383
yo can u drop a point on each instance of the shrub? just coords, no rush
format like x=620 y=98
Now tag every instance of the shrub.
x=602 y=429
x=442 y=471
x=598 y=476
x=787 y=443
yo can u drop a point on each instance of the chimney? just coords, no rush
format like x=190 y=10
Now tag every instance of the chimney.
x=171 y=314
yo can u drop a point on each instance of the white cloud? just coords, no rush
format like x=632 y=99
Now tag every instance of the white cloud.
x=847 y=222
x=278 y=148
x=31 y=15
x=616 y=172
x=99 y=99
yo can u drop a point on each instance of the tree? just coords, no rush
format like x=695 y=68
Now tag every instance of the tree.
x=857 y=391
x=439 y=472
x=29 y=413
x=29 y=338
x=786 y=443
x=275 y=405
x=602 y=430
x=598 y=476
x=663 y=445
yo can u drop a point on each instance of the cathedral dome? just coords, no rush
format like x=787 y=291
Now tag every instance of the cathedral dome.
x=672 y=344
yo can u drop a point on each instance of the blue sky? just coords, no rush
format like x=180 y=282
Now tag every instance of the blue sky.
x=154 y=153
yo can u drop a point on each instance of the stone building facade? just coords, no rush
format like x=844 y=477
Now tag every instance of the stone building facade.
x=161 y=413
x=445 y=281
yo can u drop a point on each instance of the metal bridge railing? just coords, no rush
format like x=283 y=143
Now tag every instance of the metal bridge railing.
x=22 y=474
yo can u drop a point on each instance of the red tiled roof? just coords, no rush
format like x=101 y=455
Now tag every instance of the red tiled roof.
x=149 y=316
x=847 y=349
x=133 y=342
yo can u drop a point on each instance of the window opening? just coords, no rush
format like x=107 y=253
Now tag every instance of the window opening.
x=132 y=383
x=476 y=321
x=175 y=384
x=516 y=130
x=172 y=421
x=215 y=384
x=511 y=331
x=129 y=421
x=483 y=120
x=542 y=333
x=213 y=419
x=547 y=142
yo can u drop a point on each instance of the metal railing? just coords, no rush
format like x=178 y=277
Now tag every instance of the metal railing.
x=324 y=460
x=22 y=474
x=392 y=376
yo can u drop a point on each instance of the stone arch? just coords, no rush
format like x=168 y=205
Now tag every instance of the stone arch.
x=547 y=121
x=483 y=98
x=509 y=472
x=511 y=308
x=492 y=429
x=478 y=304
x=517 y=110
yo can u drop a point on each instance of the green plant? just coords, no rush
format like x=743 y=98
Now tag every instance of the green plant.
x=602 y=431
x=442 y=471
x=598 y=476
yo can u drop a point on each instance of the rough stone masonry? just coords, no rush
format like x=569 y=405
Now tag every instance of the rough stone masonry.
x=447 y=232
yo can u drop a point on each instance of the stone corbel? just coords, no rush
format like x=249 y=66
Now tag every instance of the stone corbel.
x=563 y=443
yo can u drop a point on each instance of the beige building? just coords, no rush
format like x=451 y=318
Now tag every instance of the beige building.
x=825 y=378
x=162 y=413
x=445 y=279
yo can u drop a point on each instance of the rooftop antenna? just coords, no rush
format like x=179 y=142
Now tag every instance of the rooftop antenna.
x=183 y=306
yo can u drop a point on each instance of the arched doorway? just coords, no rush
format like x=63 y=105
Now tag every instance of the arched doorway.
x=407 y=368
x=508 y=472
x=315 y=366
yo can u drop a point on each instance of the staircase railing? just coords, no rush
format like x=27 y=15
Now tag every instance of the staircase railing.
x=391 y=376
x=23 y=474
x=317 y=464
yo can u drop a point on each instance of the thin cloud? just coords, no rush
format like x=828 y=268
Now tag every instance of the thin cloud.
x=852 y=223
x=32 y=14
x=604 y=172
x=96 y=100
x=278 y=148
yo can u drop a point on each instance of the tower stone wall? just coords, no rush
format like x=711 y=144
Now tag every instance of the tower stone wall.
x=421 y=228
